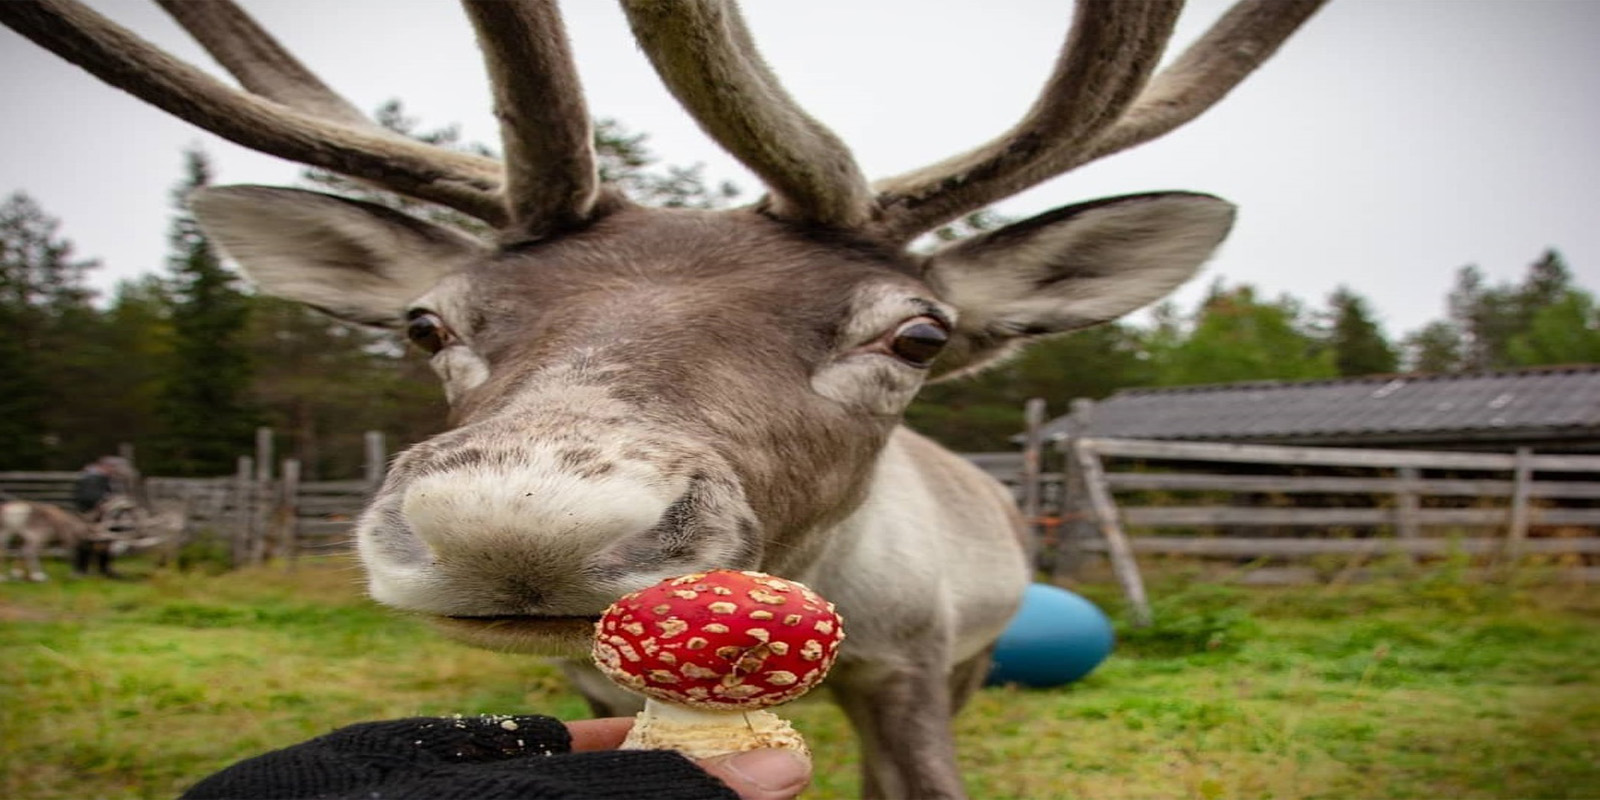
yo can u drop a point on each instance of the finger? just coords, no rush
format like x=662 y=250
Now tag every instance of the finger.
x=599 y=734
x=770 y=774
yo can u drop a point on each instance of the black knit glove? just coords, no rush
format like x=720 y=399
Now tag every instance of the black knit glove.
x=467 y=758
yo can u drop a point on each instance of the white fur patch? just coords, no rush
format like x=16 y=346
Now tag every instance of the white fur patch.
x=459 y=369
x=484 y=509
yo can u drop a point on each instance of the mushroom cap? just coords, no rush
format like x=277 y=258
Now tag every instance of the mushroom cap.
x=724 y=640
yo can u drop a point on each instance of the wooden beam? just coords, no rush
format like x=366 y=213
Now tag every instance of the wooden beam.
x=1407 y=519
x=1336 y=456
x=1238 y=547
x=1105 y=512
x=1517 y=531
x=1316 y=484
x=1033 y=415
x=1205 y=516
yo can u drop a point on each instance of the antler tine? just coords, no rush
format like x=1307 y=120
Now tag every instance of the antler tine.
x=465 y=182
x=1239 y=42
x=551 y=178
x=1109 y=53
x=260 y=64
x=705 y=56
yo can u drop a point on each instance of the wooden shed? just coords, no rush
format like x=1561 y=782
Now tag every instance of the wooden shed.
x=1548 y=409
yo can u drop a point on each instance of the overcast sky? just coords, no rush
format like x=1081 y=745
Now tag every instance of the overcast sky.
x=1386 y=145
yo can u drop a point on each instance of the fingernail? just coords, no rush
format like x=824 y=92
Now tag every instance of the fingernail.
x=770 y=768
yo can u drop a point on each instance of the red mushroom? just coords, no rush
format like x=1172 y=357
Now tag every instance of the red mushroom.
x=709 y=651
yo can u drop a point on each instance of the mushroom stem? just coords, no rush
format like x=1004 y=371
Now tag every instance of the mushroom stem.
x=702 y=733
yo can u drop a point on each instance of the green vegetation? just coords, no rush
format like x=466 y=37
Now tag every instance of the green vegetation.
x=1422 y=687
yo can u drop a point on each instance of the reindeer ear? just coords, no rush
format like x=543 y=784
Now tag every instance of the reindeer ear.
x=1071 y=268
x=357 y=261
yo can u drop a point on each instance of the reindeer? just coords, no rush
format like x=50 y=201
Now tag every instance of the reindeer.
x=118 y=524
x=639 y=392
x=35 y=526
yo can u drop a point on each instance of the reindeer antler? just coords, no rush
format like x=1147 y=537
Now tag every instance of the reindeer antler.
x=551 y=178
x=1093 y=105
x=1100 y=99
x=704 y=54
x=288 y=112
x=258 y=61
x=71 y=30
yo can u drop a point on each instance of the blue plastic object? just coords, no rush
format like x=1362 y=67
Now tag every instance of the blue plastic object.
x=1057 y=637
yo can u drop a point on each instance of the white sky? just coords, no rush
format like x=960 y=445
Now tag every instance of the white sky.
x=1387 y=144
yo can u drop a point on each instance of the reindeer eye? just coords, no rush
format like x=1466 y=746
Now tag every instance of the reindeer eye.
x=918 y=341
x=426 y=330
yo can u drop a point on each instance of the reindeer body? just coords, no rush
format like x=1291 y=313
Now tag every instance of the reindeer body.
x=638 y=393
x=36 y=526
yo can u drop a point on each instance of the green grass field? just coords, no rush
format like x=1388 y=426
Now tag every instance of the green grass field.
x=1421 y=686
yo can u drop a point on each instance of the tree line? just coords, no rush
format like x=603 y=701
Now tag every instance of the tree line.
x=187 y=363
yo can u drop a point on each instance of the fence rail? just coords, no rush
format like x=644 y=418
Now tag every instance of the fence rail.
x=255 y=513
x=1115 y=493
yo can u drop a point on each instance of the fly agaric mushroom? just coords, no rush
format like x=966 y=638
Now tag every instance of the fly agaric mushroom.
x=710 y=651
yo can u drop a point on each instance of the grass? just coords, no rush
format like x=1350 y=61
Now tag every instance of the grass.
x=1421 y=686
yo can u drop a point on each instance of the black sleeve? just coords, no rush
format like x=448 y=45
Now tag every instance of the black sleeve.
x=462 y=758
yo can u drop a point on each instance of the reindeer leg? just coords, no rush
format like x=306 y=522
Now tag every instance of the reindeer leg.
x=902 y=716
x=30 y=560
x=967 y=678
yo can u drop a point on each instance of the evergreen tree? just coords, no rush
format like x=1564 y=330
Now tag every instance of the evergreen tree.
x=44 y=309
x=1564 y=331
x=1436 y=348
x=1489 y=317
x=1236 y=337
x=206 y=418
x=1358 y=344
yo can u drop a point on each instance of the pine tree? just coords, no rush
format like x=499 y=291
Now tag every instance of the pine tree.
x=1234 y=336
x=1564 y=331
x=1490 y=317
x=44 y=309
x=1358 y=344
x=207 y=421
x=1436 y=348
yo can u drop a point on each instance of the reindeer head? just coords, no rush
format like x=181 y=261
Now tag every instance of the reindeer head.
x=643 y=392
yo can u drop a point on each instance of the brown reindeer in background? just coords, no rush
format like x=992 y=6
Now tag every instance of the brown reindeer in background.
x=641 y=392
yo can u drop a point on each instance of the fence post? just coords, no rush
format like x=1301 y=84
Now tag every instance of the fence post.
x=1075 y=525
x=1407 y=524
x=239 y=552
x=1520 y=492
x=264 y=454
x=377 y=459
x=288 y=512
x=1105 y=511
x=1032 y=452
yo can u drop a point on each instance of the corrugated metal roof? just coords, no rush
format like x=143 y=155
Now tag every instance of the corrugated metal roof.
x=1554 y=399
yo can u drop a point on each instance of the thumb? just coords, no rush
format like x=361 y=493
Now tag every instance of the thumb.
x=768 y=774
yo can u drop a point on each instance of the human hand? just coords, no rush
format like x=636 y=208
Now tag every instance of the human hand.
x=498 y=758
x=753 y=775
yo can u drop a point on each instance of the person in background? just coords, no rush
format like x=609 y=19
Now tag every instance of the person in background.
x=100 y=480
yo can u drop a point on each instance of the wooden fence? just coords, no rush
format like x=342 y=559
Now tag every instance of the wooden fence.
x=253 y=515
x=1274 y=507
x=1248 y=503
